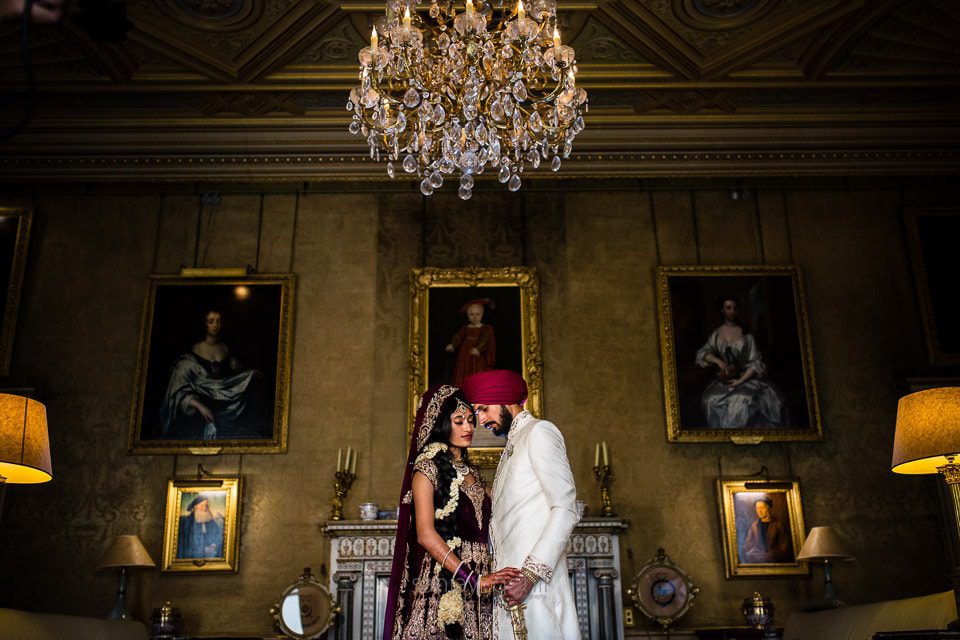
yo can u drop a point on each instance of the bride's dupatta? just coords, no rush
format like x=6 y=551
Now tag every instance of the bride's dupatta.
x=407 y=552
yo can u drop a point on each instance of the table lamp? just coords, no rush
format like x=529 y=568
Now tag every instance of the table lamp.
x=927 y=440
x=24 y=442
x=824 y=546
x=126 y=552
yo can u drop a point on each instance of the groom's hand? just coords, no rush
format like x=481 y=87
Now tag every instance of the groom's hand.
x=517 y=590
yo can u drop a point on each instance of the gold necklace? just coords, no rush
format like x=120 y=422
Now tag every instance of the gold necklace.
x=460 y=466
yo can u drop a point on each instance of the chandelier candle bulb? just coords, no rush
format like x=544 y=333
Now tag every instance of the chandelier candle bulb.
x=469 y=8
x=406 y=17
x=373 y=39
x=556 y=37
x=521 y=12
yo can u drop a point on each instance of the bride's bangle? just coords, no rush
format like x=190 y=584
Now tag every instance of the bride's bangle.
x=444 y=561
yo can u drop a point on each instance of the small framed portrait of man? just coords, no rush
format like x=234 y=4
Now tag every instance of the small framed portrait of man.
x=762 y=527
x=214 y=368
x=736 y=355
x=14 y=237
x=464 y=321
x=202 y=526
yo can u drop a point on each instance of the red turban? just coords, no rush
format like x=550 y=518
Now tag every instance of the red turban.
x=495 y=387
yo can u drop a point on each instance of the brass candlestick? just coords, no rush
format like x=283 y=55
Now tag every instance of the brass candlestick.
x=605 y=476
x=343 y=480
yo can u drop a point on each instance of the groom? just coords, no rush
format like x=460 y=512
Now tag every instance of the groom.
x=534 y=508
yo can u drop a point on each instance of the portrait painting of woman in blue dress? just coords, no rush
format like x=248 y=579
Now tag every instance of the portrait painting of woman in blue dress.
x=736 y=355
x=740 y=395
x=216 y=367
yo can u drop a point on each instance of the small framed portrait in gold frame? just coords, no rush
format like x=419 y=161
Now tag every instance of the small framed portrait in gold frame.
x=761 y=524
x=202 y=527
x=463 y=321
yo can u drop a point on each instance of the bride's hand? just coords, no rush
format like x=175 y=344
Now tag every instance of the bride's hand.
x=501 y=577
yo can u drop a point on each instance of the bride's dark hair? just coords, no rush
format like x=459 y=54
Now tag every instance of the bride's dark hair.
x=446 y=527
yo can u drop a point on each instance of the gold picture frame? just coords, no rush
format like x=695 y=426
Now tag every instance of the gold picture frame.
x=748 y=551
x=201 y=531
x=232 y=398
x=931 y=233
x=701 y=405
x=15 y=225
x=512 y=295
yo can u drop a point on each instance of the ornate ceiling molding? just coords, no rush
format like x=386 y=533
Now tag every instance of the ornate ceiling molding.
x=251 y=89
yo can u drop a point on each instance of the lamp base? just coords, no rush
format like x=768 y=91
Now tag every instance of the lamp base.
x=119 y=611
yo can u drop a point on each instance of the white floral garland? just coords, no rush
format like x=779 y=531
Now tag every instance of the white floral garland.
x=450 y=609
x=429 y=453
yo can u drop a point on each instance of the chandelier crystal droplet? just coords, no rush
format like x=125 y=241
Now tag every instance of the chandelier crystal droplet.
x=443 y=93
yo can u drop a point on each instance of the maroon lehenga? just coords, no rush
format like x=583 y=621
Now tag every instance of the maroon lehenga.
x=419 y=598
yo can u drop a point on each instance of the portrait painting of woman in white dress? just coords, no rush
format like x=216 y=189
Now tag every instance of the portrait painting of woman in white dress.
x=737 y=361
x=740 y=395
x=215 y=371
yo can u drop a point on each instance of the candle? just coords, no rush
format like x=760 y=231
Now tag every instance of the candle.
x=346 y=467
x=373 y=39
x=606 y=455
x=556 y=38
x=353 y=465
x=521 y=12
x=469 y=7
x=596 y=455
x=339 y=458
x=406 y=16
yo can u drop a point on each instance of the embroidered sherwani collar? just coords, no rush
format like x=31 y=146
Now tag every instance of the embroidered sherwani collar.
x=520 y=422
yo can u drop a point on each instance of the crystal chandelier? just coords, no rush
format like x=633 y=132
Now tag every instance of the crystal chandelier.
x=443 y=92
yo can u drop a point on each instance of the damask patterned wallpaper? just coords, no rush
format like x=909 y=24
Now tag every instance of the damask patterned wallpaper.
x=596 y=251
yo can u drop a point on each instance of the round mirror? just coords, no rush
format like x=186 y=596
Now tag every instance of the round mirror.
x=306 y=608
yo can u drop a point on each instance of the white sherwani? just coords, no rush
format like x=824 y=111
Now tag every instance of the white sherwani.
x=534 y=511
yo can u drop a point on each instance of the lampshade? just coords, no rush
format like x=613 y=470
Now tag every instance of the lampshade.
x=126 y=551
x=24 y=443
x=823 y=543
x=928 y=430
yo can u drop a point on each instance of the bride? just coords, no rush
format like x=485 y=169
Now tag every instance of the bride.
x=440 y=584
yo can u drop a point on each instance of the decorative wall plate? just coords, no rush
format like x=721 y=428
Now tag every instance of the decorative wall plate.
x=662 y=591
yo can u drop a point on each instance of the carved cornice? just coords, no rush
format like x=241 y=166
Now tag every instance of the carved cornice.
x=359 y=168
x=250 y=89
